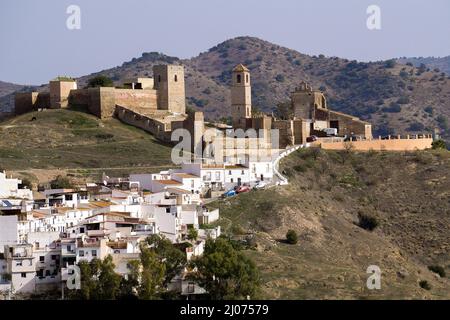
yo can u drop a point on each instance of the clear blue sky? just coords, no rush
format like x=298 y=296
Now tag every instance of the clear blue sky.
x=37 y=46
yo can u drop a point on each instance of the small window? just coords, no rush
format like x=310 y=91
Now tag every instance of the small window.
x=246 y=78
x=23 y=275
x=238 y=78
x=218 y=175
x=229 y=172
x=242 y=172
x=94 y=253
x=175 y=78
x=41 y=258
x=81 y=253
x=168 y=210
x=159 y=78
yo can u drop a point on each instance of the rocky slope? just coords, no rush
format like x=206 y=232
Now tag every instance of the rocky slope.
x=443 y=64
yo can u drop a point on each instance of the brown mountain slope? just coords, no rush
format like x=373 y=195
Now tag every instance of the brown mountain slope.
x=393 y=97
x=7 y=88
x=443 y=64
x=407 y=193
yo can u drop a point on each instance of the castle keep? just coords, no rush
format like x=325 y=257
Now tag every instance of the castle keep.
x=144 y=95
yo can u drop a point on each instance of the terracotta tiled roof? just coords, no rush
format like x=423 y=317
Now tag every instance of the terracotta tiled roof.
x=169 y=182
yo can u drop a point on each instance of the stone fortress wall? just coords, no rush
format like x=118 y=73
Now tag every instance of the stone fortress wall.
x=158 y=106
x=167 y=94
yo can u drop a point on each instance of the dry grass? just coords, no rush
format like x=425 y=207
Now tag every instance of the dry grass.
x=408 y=195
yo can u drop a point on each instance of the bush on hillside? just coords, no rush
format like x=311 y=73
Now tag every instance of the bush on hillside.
x=291 y=237
x=439 y=144
x=425 y=285
x=61 y=182
x=100 y=81
x=367 y=222
x=389 y=64
x=437 y=269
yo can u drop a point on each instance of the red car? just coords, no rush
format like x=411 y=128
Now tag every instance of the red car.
x=311 y=139
x=242 y=189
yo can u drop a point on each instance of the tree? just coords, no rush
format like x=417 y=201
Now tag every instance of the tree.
x=109 y=280
x=99 y=281
x=26 y=183
x=390 y=63
x=439 y=144
x=291 y=237
x=129 y=285
x=192 y=234
x=224 y=272
x=152 y=276
x=100 y=81
x=174 y=259
x=61 y=182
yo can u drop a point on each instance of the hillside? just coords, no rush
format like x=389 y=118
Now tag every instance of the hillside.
x=396 y=98
x=408 y=194
x=7 y=88
x=443 y=64
x=79 y=142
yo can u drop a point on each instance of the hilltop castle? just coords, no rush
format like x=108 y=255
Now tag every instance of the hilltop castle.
x=157 y=105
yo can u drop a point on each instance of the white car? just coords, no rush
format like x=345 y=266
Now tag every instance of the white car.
x=260 y=185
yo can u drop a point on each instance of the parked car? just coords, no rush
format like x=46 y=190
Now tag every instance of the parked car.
x=260 y=185
x=229 y=193
x=311 y=139
x=242 y=189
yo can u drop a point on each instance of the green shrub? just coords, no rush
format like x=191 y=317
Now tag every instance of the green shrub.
x=291 y=237
x=429 y=110
x=439 y=144
x=437 y=269
x=61 y=182
x=390 y=63
x=280 y=78
x=403 y=100
x=425 y=285
x=416 y=126
x=299 y=168
x=367 y=222
x=100 y=81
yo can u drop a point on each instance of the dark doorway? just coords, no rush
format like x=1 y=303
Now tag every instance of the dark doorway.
x=334 y=124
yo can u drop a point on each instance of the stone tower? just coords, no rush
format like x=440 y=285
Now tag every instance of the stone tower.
x=60 y=90
x=241 y=96
x=169 y=83
x=305 y=100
